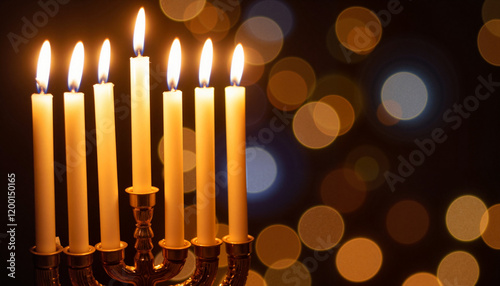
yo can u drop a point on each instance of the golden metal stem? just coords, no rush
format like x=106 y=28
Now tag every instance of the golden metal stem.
x=238 y=255
x=207 y=264
x=80 y=267
x=144 y=272
x=47 y=267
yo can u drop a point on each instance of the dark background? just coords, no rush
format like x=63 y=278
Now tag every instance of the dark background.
x=439 y=36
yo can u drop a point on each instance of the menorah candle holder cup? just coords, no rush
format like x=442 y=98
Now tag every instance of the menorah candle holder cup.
x=47 y=266
x=144 y=271
x=238 y=255
x=80 y=267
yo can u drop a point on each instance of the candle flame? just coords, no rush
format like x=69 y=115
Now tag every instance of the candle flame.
x=237 y=65
x=76 y=68
x=104 y=60
x=206 y=63
x=174 y=65
x=140 y=30
x=43 y=68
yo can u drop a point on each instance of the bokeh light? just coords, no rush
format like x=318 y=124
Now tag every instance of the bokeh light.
x=261 y=170
x=490 y=10
x=488 y=42
x=384 y=117
x=344 y=110
x=278 y=246
x=321 y=228
x=262 y=39
x=291 y=81
x=214 y=21
x=338 y=51
x=276 y=10
x=407 y=222
x=359 y=259
x=182 y=10
x=463 y=217
x=316 y=125
x=369 y=163
x=287 y=90
x=490 y=225
x=255 y=279
x=404 y=95
x=296 y=273
x=222 y=230
x=336 y=84
x=190 y=220
x=358 y=29
x=339 y=191
x=422 y=279
x=458 y=268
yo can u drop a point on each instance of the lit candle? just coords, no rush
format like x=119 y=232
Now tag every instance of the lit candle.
x=173 y=149
x=43 y=157
x=139 y=101
x=236 y=164
x=106 y=154
x=76 y=166
x=205 y=156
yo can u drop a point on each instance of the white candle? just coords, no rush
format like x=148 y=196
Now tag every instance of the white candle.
x=139 y=101
x=76 y=166
x=43 y=157
x=173 y=150
x=205 y=151
x=106 y=154
x=236 y=160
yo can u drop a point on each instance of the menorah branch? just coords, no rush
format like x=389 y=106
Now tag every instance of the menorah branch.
x=47 y=267
x=80 y=267
x=238 y=255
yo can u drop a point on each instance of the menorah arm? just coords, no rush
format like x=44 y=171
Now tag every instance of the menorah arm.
x=238 y=255
x=47 y=267
x=80 y=267
x=207 y=264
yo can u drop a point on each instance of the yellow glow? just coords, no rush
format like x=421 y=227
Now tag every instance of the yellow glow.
x=206 y=63
x=278 y=246
x=321 y=227
x=104 y=61
x=344 y=110
x=139 y=32
x=316 y=125
x=358 y=29
x=174 y=65
x=422 y=278
x=295 y=274
x=488 y=40
x=43 y=68
x=76 y=67
x=342 y=190
x=458 y=268
x=255 y=279
x=237 y=65
x=463 y=217
x=359 y=259
x=490 y=227
x=407 y=222
x=183 y=10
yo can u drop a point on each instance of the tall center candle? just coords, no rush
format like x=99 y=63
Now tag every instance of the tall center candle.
x=173 y=151
x=43 y=157
x=236 y=160
x=106 y=154
x=76 y=166
x=139 y=103
x=205 y=150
